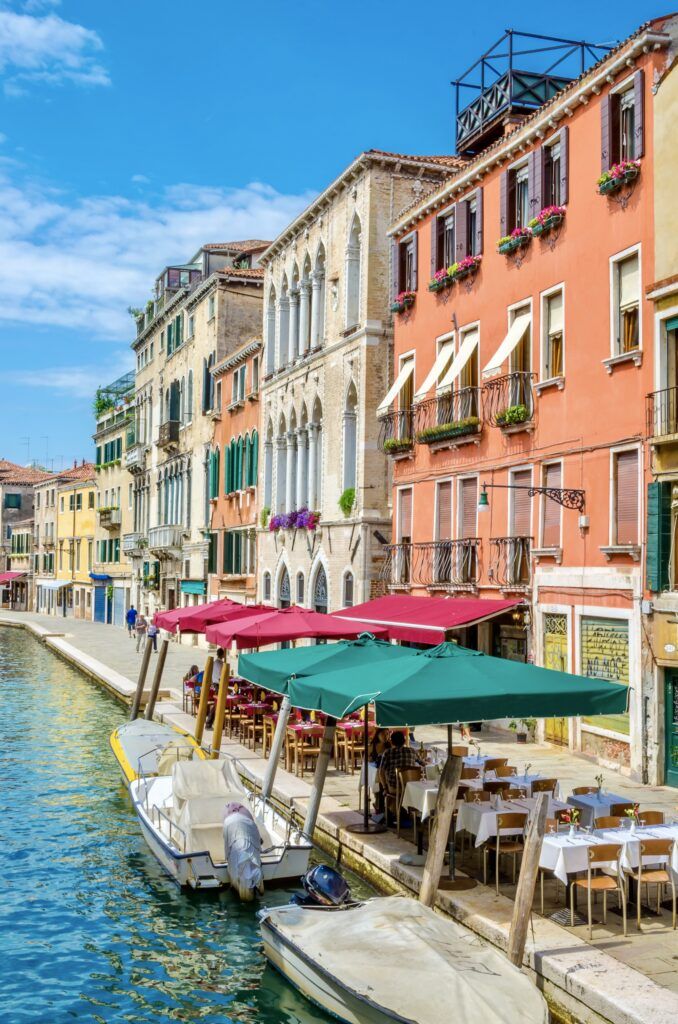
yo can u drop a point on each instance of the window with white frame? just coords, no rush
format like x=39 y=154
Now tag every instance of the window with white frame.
x=239 y=384
x=552 y=174
x=300 y=588
x=625 y=497
x=626 y=125
x=553 y=333
x=551 y=511
x=191 y=326
x=519 y=197
x=211 y=306
x=266 y=586
x=626 y=303
x=348 y=590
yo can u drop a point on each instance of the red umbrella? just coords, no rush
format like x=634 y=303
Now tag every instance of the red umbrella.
x=195 y=619
x=274 y=625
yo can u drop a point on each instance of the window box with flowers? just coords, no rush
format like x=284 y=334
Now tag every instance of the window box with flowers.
x=301 y=519
x=512 y=415
x=548 y=219
x=618 y=175
x=403 y=301
x=397 y=445
x=442 y=279
x=518 y=238
x=443 y=431
x=466 y=267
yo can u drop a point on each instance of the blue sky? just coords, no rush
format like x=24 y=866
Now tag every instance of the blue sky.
x=132 y=132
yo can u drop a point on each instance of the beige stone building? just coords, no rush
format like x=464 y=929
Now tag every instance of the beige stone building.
x=328 y=330
x=201 y=311
x=45 y=532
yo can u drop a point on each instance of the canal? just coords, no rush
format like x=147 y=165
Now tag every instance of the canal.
x=91 y=929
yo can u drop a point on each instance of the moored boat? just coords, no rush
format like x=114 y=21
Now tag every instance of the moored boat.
x=139 y=745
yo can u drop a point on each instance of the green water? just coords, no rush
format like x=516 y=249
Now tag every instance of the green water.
x=91 y=929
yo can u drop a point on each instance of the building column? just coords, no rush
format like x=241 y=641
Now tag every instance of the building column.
x=304 y=311
x=270 y=339
x=294 y=326
x=280 y=474
x=289 y=472
x=316 y=282
x=284 y=340
x=301 y=453
x=312 y=463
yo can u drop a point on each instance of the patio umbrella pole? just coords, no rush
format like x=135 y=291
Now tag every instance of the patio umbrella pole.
x=366 y=827
x=319 y=777
x=276 y=748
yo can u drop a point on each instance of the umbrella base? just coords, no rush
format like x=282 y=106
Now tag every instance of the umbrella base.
x=372 y=828
x=457 y=884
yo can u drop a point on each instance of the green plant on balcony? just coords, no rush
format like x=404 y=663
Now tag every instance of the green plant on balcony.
x=107 y=465
x=397 y=444
x=512 y=414
x=103 y=403
x=517 y=238
x=264 y=516
x=443 y=431
x=149 y=582
x=546 y=220
x=108 y=508
x=347 y=501
x=442 y=279
x=403 y=301
x=619 y=174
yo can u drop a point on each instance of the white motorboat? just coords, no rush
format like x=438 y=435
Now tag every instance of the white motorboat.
x=139 y=746
x=182 y=819
x=392 y=959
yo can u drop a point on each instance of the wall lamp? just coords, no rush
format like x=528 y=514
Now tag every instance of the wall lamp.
x=565 y=496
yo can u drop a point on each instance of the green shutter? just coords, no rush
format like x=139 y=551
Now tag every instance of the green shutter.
x=119 y=448
x=212 y=558
x=116 y=549
x=216 y=474
x=232 y=478
x=170 y=338
x=238 y=466
x=237 y=550
x=97 y=457
x=255 y=458
x=672 y=323
x=658 y=535
x=228 y=552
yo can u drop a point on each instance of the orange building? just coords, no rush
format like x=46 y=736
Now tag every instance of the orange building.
x=516 y=420
x=233 y=475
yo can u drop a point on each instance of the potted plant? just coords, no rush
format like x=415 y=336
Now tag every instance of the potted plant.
x=347 y=501
x=571 y=817
x=529 y=726
x=632 y=813
x=397 y=444
x=512 y=414
x=599 y=782
x=521 y=736
x=443 y=431
x=264 y=516
x=547 y=219
x=403 y=301
x=467 y=266
x=619 y=174
x=442 y=279
x=517 y=238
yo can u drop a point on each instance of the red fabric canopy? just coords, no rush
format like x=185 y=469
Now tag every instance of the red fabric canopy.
x=424 y=620
x=274 y=625
x=7 y=577
x=197 y=618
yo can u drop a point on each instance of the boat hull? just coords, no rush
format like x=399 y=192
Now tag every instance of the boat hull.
x=142 y=739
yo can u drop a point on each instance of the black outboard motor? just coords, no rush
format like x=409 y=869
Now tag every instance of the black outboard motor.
x=323 y=887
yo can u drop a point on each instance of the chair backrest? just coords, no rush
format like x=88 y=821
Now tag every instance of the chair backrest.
x=469 y=773
x=620 y=809
x=460 y=751
x=495 y=762
x=513 y=793
x=608 y=821
x=473 y=796
x=603 y=853
x=544 y=785
x=652 y=817
x=505 y=771
x=656 y=847
x=405 y=775
x=510 y=820
x=583 y=790
x=551 y=825
x=495 y=787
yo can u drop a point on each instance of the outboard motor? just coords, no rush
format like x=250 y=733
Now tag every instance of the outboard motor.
x=324 y=887
x=242 y=844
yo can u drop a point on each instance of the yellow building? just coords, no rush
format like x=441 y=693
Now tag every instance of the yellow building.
x=76 y=524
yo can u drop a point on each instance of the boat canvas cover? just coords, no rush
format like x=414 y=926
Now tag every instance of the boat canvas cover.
x=201 y=820
x=192 y=779
x=179 y=749
x=142 y=743
x=371 y=948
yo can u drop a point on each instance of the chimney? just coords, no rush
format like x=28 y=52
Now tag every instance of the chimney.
x=75 y=463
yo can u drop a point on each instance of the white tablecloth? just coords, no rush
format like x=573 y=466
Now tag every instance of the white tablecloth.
x=481 y=819
x=522 y=782
x=565 y=855
x=372 y=777
x=592 y=806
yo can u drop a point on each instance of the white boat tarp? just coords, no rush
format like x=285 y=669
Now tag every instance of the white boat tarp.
x=457 y=975
x=204 y=779
x=179 y=749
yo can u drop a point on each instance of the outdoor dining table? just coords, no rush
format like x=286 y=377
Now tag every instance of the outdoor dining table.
x=423 y=796
x=521 y=782
x=480 y=819
x=567 y=855
x=594 y=805
x=295 y=737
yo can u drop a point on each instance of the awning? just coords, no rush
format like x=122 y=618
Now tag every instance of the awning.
x=515 y=334
x=192 y=587
x=7 y=577
x=406 y=371
x=468 y=347
x=425 y=620
x=56 y=584
x=100 y=577
x=276 y=625
x=446 y=350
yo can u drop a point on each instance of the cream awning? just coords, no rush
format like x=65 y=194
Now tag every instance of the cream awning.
x=514 y=336
x=406 y=371
x=629 y=282
x=555 y=313
x=468 y=347
x=443 y=358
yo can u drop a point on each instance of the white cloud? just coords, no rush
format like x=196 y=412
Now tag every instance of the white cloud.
x=76 y=381
x=140 y=179
x=47 y=50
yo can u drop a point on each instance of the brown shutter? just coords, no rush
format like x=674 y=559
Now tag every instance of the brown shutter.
x=461 y=230
x=627 y=497
x=639 y=113
x=504 y=204
x=468 y=499
x=405 y=515
x=534 y=180
x=564 y=157
x=435 y=243
x=605 y=132
x=395 y=269
x=415 y=242
x=444 y=510
x=552 y=511
x=479 y=221
x=522 y=504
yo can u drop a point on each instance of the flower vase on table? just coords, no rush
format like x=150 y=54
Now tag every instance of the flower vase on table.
x=573 y=830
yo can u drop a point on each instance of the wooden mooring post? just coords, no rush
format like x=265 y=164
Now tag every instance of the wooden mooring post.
x=204 y=698
x=447 y=798
x=522 y=908
x=155 y=687
x=146 y=657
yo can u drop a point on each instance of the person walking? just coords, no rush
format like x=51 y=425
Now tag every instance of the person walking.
x=140 y=626
x=131 y=618
x=152 y=632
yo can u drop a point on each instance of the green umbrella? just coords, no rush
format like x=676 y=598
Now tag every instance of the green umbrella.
x=274 y=669
x=449 y=683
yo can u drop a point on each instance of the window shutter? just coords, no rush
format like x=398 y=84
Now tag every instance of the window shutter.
x=534 y=183
x=658 y=535
x=228 y=552
x=395 y=269
x=627 y=497
x=564 y=158
x=469 y=507
x=522 y=504
x=255 y=457
x=227 y=468
x=504 y=204
x=444 y=510
x=461 y=230
x=98 y=455
x=639 y=113
x=552 y=511
x=435 y=242
x=415 y=246
x=605 y=132
x=405 y=515
x=479 y=222
x=205 y=386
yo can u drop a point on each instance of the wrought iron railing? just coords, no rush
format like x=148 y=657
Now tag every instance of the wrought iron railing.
x=510 y=561
x=396 y=431
x=168 y=433
x=433 y=563
x=397 y=566
x=662 y=412
x=509 y=400
x=450 y=414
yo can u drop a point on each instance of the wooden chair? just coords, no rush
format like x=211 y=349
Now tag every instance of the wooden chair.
x=480 y=796
x=513 y=793
x=505 y=771
x=655 y=874
x=619 y=810
x=495 y=787
x=608 y=821
x=600 y=857
x=583 y=790
x=544 y=786
x=652 y=817
x=495 y=762
x=308 y=750
x=459 y=751
x=469 y=773
x=505 y=845
x=349 y=747
x=405 y=775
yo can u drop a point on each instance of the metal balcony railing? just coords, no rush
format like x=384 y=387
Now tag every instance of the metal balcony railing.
x=134 y=543
x=508 y=401
x=510 y=564
x=662 y=412
x=449 y=415
x=397 y=565
x=168 y=433
x=396 y=431
x=453 y=563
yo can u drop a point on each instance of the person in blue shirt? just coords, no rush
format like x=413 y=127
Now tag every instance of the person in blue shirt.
x=131 y=619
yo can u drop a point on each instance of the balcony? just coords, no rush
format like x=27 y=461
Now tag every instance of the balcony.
x=510 y=564
x=135 y=460
x=508 y=401
x=396 y=570
x=449 y=419
x=168 y=434
x=662 y=415
x=396 y=432
x=134 y=543
x=165 y=540
x=110 y=518
x=453 y=564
